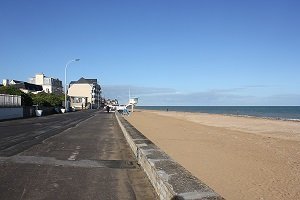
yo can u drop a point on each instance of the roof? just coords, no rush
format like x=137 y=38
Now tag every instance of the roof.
x=84 y=81
x=29 y=86
x=16 y=81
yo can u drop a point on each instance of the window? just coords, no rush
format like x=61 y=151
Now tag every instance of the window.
x=77 y=99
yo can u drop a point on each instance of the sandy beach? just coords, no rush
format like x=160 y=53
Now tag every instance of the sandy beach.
x=239 y=157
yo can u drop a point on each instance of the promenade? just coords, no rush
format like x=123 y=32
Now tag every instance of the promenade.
x=81 y=155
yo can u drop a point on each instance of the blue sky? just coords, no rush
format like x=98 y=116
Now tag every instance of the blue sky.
x=169 y=52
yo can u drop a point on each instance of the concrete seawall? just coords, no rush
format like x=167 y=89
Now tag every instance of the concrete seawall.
x=169 y=179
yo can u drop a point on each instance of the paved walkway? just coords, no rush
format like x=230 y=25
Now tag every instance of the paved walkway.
x=90 y=160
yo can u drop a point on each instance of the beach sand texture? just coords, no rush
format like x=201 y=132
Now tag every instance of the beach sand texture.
x=238 y=157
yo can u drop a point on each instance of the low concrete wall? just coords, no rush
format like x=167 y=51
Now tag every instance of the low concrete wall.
x=11 y=113
x=7 y=113
x=169 y=179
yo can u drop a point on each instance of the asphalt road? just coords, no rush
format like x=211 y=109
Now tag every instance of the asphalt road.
x=81 y=155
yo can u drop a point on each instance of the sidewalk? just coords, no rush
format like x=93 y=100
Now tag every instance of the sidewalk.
x=89 y=161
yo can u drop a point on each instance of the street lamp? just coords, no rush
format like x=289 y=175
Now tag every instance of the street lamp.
x=75 y=60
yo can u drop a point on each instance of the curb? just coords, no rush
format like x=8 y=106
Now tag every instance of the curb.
x=169 y=179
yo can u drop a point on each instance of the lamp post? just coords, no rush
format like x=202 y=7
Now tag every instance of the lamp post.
x=75 y=60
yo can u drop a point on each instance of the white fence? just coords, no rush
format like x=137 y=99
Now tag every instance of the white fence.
x=7 y=100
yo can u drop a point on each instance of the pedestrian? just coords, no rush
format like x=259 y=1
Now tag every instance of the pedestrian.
x=107 y=108
x=125 y=112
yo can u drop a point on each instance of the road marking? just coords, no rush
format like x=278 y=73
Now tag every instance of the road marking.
x=23 y=194
x=74 y=155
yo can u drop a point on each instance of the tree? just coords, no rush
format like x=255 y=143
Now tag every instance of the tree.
x=55 y=99
x=48 y=100
x=40 y=99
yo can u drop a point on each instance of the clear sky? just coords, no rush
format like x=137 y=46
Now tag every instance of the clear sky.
x=168 y=52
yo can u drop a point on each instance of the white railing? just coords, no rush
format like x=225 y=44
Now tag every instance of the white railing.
x=7 y=100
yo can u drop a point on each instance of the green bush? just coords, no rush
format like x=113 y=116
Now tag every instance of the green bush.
x=47 y=99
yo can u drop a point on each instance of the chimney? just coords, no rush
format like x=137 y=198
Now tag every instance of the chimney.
x=5 y=82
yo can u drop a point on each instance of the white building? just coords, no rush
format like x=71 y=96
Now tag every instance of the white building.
x=84 y=93
x=49 y=84
x=23 y=86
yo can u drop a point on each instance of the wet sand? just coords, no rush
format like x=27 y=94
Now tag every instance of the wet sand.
x=239 y=157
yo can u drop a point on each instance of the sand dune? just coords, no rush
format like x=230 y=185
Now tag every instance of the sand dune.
x=240 y=158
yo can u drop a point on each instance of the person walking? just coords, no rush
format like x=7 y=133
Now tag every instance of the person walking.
x=107 y=108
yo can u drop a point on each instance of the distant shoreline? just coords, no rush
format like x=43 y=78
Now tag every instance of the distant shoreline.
x=182 y=110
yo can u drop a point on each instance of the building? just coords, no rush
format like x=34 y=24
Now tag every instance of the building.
x=111 y=102
x=84 y=93
x=24 y=86
x=49 y=84
x=15 y=82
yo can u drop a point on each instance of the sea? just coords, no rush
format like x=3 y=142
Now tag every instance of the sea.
x=271 y=112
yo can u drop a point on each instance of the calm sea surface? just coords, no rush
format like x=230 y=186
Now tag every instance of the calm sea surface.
x=277 y=112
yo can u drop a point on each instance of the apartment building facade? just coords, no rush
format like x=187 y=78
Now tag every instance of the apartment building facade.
x=49 y=84
x=84 y=94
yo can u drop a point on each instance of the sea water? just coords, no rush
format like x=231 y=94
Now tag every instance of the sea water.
x=274 y=112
